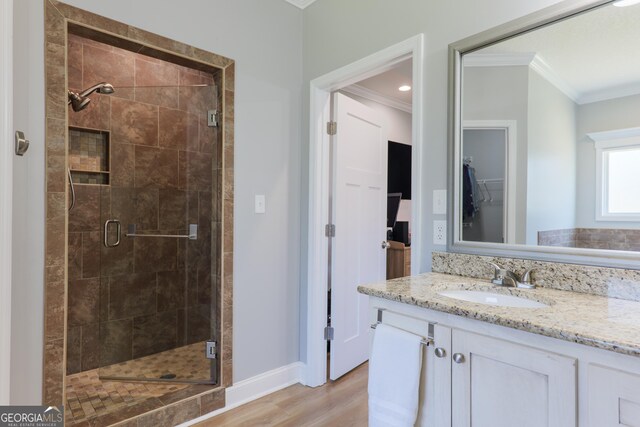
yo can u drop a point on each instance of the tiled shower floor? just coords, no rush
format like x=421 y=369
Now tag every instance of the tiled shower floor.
x=89 y=397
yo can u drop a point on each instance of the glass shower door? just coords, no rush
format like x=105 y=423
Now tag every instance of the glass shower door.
x=159 y=298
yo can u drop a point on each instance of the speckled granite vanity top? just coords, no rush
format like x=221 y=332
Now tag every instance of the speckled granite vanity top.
x=598 y=321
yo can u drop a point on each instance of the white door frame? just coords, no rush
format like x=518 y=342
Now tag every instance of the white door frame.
x=6 y=191
x=317 y=255
x=510 y=179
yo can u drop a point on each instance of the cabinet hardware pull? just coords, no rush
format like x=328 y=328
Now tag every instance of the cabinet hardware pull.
x=440 y=352
x=458 y=357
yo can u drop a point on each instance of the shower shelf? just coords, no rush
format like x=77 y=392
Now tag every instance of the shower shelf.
x=89 y=156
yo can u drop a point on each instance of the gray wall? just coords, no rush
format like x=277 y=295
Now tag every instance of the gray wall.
x=501 y=93
x=551 y=157
x=612 y=114
x=265 y=38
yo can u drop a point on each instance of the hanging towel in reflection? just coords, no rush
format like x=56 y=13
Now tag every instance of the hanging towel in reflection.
x=470 y=203
x=394 y=377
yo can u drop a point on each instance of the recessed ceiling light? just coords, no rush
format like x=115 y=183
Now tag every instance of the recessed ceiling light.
x=623 y=3
x=406 y=88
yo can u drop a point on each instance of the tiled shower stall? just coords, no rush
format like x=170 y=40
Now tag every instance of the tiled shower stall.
x=144 y=156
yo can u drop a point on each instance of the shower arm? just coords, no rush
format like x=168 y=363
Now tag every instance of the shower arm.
x=97 y=87
x=92 y=89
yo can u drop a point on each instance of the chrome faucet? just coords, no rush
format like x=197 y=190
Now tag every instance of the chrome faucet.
x=504 y=277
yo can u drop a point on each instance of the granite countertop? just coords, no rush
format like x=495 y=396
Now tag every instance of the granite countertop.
x=607 y=323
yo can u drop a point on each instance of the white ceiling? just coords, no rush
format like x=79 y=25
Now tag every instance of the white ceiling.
x=596 y=54
x=387 y=83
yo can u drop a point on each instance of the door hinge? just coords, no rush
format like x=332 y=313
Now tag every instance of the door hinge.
x=210 y=350
x=328 y=333
x=332 y=128
x=330 y=230
x=212 y=118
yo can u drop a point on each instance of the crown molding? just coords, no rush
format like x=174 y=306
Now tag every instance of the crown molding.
x=378 y=97
x=541 y=67
x=609 y=135
x=530 y=59
x=300 y=3
x=610 y=93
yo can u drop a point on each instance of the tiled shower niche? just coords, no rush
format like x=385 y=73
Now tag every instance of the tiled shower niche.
x=89 y=156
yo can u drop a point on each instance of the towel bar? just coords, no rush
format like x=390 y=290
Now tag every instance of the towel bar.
x=426 y=342
x=193 y=233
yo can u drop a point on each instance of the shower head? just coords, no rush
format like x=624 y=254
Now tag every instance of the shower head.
x=79 y=101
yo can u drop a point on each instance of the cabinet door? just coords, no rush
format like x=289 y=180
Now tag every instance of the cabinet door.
x=613 y=397
x=501 y=384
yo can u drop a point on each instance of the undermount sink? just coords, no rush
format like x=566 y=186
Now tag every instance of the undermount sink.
x=492 y=298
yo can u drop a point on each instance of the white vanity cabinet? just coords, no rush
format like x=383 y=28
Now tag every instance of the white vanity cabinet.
x=613 y=397
x=501 y=384
x=480 y=374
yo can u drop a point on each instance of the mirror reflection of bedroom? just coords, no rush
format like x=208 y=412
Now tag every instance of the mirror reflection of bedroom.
x=399 y=210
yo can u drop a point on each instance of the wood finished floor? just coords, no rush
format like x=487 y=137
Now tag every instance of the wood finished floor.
x=341 y=403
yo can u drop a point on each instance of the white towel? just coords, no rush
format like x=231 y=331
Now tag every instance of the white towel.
x=394 y=377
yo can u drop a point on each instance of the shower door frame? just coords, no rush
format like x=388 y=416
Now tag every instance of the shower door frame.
x=58 y=18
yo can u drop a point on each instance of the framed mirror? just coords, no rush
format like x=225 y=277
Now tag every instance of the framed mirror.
x=545 y=136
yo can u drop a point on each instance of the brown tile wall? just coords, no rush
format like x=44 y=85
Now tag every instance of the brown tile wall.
x=148 y=294
x=61 y=20
x=592 y=238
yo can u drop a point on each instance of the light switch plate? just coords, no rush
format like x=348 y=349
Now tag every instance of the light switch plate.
x=439 y=232
x=260 y=203
x=440 y=202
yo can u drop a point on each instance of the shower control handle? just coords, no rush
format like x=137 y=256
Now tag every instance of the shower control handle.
x=107 y=244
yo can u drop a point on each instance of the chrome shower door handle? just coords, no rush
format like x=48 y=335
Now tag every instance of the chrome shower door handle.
x=106 y=233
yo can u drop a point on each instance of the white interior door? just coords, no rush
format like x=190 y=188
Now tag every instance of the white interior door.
x=359 y=213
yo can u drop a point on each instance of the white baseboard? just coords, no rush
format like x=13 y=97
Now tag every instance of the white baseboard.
x=256 y=387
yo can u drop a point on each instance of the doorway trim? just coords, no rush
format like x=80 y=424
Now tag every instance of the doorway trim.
x=6 y=193
x=317 y=250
